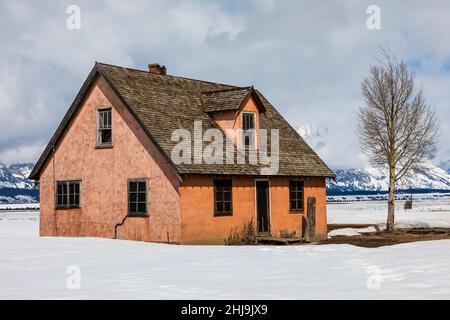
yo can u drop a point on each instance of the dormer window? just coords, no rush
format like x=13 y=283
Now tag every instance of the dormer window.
x=104 y=127
x=248 y=128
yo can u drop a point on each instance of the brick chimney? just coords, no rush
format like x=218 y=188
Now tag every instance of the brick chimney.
x=155 y=68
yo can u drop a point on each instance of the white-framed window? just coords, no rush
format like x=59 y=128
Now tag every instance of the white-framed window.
x=249 y=129
x=104 y=127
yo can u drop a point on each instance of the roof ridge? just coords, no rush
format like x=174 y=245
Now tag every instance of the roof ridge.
x=228 y=89
x=169 y=75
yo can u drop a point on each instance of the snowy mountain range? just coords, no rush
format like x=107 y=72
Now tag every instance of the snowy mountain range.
x=370 y=179
x=14 y=184
x=16 y=188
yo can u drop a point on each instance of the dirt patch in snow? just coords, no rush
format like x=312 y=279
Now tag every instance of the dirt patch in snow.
x=381 y=238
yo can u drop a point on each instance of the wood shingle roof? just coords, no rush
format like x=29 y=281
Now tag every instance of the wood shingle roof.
x=164 y=103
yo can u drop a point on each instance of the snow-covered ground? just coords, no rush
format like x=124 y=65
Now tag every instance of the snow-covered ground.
x=433 y=212
x=33 y=267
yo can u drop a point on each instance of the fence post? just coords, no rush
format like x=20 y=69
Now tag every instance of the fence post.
x=310 y=220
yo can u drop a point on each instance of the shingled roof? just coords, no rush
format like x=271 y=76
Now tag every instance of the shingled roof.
x=163 y=103
x=229 y=99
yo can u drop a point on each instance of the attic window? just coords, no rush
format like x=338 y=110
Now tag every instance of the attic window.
x=248 y=127
x=104 y=127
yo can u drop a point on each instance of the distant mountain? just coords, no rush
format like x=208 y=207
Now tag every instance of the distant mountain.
x=16 y=188
x=370 y=179
x=14 y=184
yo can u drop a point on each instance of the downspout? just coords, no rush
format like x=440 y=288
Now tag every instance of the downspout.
x=118 y=225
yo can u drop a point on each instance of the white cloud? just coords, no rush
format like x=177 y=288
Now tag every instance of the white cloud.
x=308 y=58
x=22 y=153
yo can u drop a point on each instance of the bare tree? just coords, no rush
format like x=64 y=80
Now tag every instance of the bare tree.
x=397 y=130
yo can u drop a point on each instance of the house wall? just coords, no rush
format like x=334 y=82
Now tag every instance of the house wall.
x=199 y=225
x=104 y=174
x=231 y=120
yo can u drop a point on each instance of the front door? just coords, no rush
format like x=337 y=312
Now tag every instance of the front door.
x=262 y=206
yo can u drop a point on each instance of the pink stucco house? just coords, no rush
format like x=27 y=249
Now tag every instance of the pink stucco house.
x=108 y=170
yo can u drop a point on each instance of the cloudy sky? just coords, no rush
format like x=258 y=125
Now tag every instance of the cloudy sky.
x=307 y=57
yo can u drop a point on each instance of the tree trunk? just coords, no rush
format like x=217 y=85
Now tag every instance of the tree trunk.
x=390 y=217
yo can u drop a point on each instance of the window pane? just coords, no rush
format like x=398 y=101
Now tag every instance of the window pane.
x=219 y=196
x=71 y=200
x=248 y=121
x=77 y=188
x=71 y=188
x=64 y=199
x=293 y=195
x=133 y=207
x=227 y=196
x=60 y=200
x=77 y=200
x=60 y=188
x=101 y=120
x=106 y=136
x=227 y=206
x=293 y=205
x=142 y=186
x=133 y=186
x=219 y=206
x=251 y=120
x=141 y=208
x=291 y=185
x=141 y=197
x=133 y=197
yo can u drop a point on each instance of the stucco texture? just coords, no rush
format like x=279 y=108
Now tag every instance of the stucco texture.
x=104 y=173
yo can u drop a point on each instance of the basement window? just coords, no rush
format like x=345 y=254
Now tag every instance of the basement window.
x=104 y=127
x=222 y=197
x=137 y=197
x=296 y=195
x=68 y=194
x=248 y=128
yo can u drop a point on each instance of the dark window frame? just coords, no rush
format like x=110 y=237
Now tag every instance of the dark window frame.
x=223 y=212
x=296 y=192
x=137 y=202
x=246 y=134
x=67 y=195
x=100 y=127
